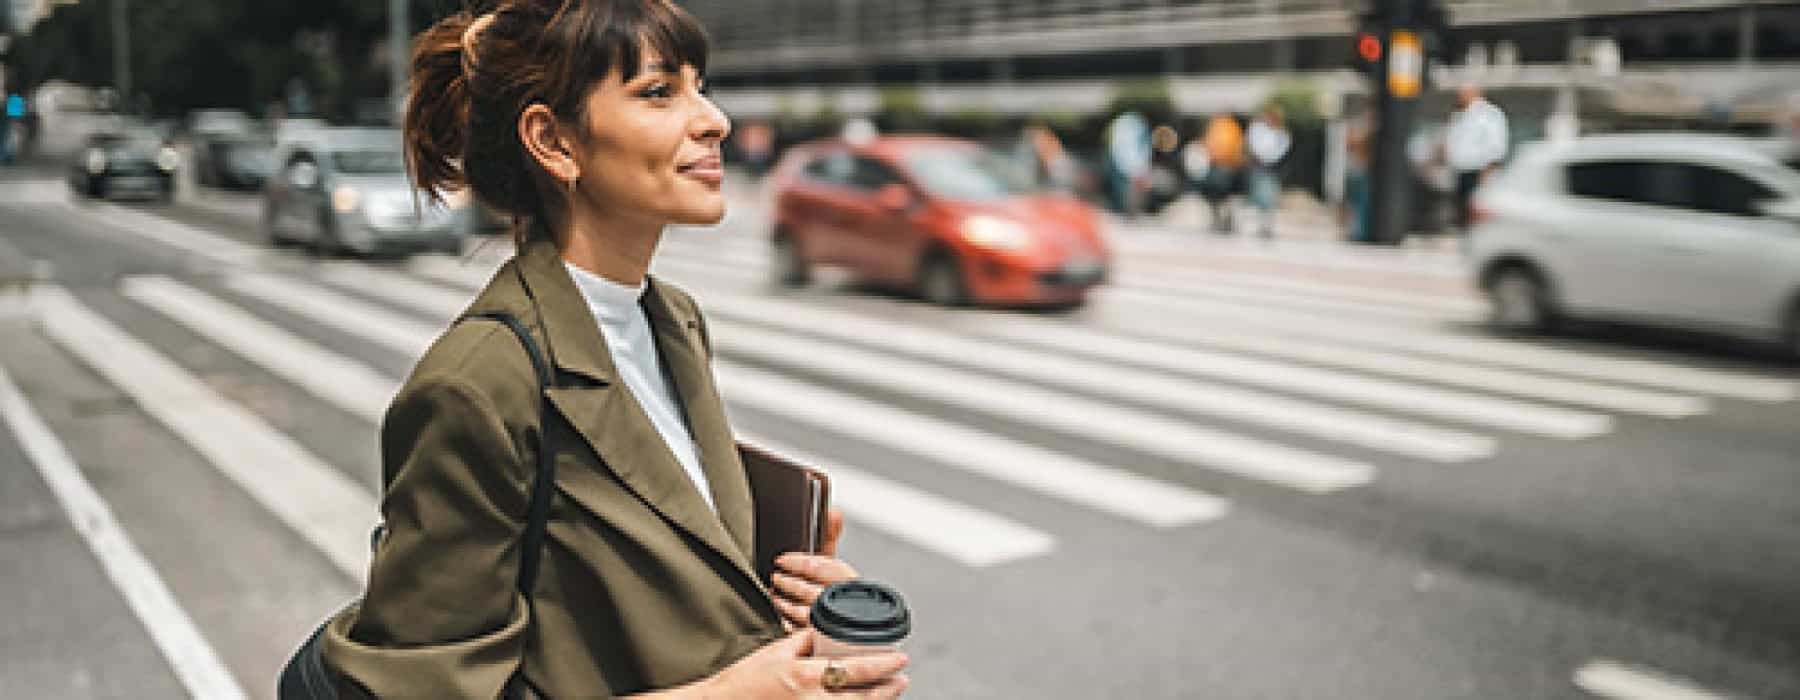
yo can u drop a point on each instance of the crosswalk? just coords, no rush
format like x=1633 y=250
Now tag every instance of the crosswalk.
x=1298 y=385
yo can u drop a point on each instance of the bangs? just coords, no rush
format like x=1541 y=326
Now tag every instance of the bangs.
x=620 y=38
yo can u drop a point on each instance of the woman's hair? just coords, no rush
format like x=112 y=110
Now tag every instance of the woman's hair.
x=469 y=86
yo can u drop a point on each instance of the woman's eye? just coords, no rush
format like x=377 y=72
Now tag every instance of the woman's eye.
x=657 y=91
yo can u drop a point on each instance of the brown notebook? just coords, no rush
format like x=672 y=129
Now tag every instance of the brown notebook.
x=791 y=499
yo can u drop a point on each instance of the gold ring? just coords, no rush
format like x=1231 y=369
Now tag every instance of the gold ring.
x=835 y=677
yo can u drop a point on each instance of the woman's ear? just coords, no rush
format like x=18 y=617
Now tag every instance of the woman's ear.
x=544 y=138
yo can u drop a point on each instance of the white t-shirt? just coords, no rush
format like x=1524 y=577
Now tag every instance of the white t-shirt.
x=627 y=331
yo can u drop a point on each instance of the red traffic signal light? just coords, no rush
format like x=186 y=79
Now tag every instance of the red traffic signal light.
x=1368 y=47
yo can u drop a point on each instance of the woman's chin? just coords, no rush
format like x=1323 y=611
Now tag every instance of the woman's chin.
x=703 y=215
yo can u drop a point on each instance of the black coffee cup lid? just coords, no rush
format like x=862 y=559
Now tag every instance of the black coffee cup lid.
x=861 y=612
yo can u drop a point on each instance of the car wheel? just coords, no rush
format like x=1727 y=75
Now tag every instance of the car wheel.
x=325 y=242
x=791 y=268
x=1791 y=334
x=941 y=281
x=1519 y=300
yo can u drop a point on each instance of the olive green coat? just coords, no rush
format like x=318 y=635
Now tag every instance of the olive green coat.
x=641 y=586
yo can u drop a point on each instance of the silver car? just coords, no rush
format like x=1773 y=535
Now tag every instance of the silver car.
x=1698 y=232
x=347 y=190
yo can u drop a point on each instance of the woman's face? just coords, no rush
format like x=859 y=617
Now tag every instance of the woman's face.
x=651 y=146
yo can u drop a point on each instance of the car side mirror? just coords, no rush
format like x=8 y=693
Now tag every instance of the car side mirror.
x=894 y=197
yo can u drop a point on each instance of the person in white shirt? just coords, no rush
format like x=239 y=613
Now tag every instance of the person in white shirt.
x=1474 y=144
x=1268 y=142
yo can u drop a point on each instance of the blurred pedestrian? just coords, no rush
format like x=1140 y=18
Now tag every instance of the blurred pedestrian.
x=1214 y=163
x=1128 y=150
x=1269 y=142
x=586 y=121
x=756 y=141
x=1475 y=141
x=1358 y=139
x=1043 y=154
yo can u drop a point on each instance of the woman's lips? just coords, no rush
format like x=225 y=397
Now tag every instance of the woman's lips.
x=707 y=170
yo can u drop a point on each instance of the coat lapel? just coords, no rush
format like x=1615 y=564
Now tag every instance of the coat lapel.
x=612 y=422
x=684 y=357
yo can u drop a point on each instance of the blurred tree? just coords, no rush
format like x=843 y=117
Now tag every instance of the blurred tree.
x=1298 y=99
x=227 y=53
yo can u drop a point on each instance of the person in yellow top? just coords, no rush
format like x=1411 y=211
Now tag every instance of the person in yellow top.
x=1214 y=163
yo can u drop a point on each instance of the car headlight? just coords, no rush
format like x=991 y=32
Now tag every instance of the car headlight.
x=96 y=161
x=345 y=199
x=168 y=159
x=995 y=232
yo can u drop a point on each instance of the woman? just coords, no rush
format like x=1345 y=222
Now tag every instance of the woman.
x=586 y=121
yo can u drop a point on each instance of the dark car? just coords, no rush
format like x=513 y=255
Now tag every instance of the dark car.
x=138 y=165
x=944 y=217
x=233 y=161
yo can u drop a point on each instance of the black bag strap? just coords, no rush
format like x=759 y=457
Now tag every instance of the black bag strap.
x=306 y=676
x=544 y=483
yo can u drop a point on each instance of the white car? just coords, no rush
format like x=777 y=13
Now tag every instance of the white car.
x=1698 y=232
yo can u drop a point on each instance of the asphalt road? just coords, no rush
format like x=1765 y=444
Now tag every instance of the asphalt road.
x=1289 y=471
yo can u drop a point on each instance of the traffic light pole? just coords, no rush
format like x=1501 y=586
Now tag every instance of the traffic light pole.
x=1398 y=81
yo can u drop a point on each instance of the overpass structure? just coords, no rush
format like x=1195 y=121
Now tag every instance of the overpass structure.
x=1031 y=56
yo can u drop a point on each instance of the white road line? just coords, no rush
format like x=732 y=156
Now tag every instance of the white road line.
x=1501 y=381
x=435 y=300
x=1161 y=295
x=175 y=634
x=954 y=530
x=1665 y=375
x=400 y=333
x=1611 y=679
x=467 y=274
x=325 y=507
x=1058 y=411
x=1536 y=419
x=1301 y=469
x=959 y=532
x=1408 y=438
x=173 y=234
x=1115 y=491
x=338 y=380
x=1176 y=277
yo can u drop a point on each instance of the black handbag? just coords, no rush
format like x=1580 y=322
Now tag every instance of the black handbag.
x=307 y=677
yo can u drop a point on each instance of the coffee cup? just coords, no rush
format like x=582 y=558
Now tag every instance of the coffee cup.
x=859 y=617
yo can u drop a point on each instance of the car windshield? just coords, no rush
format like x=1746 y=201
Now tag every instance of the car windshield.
x=130 y=147
x=969 y=173
x=369 y=162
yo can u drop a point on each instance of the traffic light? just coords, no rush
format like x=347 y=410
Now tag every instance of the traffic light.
x=1367 y=46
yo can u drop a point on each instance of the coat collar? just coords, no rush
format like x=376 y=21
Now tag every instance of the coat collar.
x=615 y=425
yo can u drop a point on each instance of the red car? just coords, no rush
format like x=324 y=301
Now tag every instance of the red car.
x=948 y=218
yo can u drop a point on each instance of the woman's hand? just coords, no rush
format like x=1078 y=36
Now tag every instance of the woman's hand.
x=783 y=669
x=799 y=578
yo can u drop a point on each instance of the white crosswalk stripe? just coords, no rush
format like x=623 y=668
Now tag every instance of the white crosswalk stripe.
x=1474 y=409
x=1110 y=490
x=323 y=506
x=394 y=331
x=1176 y=279
x=1665 y=375
x=1500 y=381
x=1185 y=395
x=968 y=535
x=1058 y=411
x=193 y=659
x=955 y=530
x=1412 y=439
x=1548 y=421
x=338 y=380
